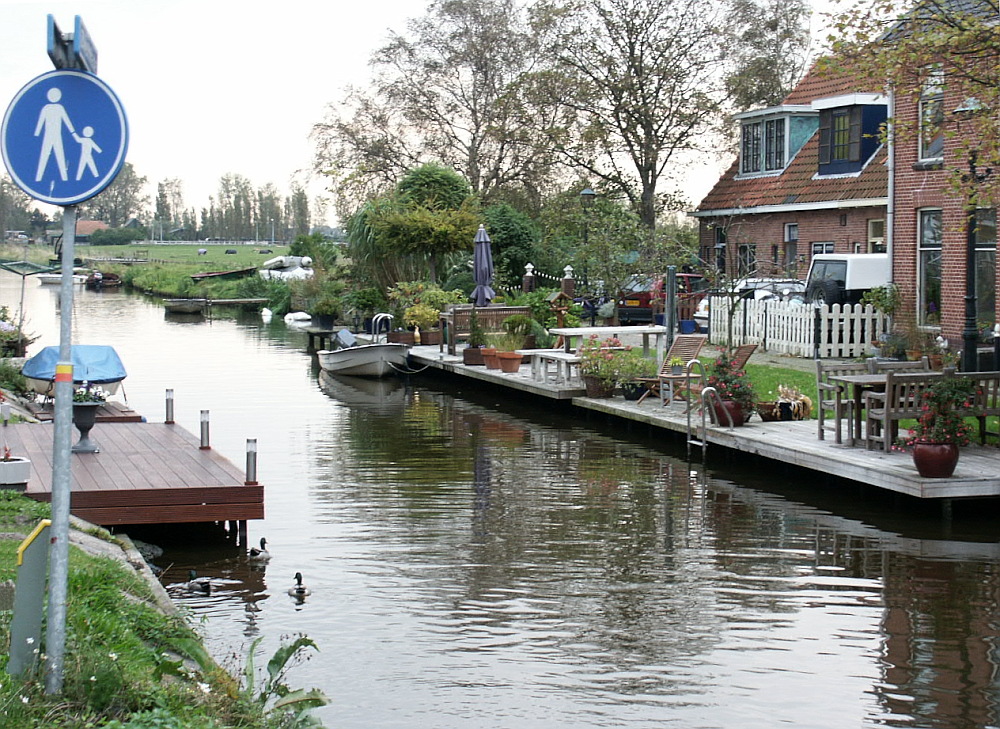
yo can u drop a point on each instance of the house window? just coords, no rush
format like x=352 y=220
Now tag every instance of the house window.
x=986 y=265
x=932 y=116
x=747 y=259
x=840 y=135
x=876 y=236
x=774 y=144
x=825 y=247
x=720 y=250
x=791 y=232
x=791 y=258
x=751 y=148
x=929 y=273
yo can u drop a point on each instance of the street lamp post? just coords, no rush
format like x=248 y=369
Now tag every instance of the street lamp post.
x=272 y=231
x=970 y=332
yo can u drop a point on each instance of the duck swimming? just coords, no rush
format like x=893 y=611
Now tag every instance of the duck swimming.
x=260 y=555
x=198 y=584
x=298 y=589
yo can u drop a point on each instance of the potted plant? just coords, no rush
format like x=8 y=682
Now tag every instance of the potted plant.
x=506 y=344
x=734 y=389
x=325 y=312
x=632 y=368
x=598 y=366
x=422 y=318
x=792 y=404
x=940 y=431
x=676 y=365
x=473 y=353
x=86 y=400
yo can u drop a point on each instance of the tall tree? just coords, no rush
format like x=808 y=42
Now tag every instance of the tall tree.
x=449 y=91
x=122 y=200
x=769 y=49
x=298 y=212
x=641 y=77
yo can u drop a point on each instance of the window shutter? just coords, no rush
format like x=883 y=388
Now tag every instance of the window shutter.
x=854 y=150
x=824 y=137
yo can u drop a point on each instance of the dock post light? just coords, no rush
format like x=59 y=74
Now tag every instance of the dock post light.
x=204 y=431
x=251 y=462
x=169 y=419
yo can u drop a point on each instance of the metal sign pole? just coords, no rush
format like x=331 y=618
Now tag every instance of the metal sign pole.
x=55 y=632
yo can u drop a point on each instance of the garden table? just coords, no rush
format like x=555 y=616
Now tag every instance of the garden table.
x=571 y=333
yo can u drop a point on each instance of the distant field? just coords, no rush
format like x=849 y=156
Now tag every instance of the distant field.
x=215 y=257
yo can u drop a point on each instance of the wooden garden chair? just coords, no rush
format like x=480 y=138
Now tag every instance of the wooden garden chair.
x=686 y=347
x=826 y=395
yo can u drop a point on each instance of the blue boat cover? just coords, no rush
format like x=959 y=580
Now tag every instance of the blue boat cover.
x=97 y=363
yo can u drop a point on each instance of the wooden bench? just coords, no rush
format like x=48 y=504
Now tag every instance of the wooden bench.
x=454 y=321
x=903 y=400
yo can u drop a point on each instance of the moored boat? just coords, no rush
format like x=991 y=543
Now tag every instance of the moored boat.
x=95 y=364
x=49 y=279
x=98 y=281
x=364 y=360
x=185 y=306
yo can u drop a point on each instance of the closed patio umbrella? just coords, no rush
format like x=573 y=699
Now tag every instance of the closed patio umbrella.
x=482 y=269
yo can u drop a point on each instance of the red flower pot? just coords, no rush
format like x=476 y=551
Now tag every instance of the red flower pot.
x=935 y=460
x=735 y=412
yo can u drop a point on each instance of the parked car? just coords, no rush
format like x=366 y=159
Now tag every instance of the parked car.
x=636 y=306
x=758 y=289
x=843 y=278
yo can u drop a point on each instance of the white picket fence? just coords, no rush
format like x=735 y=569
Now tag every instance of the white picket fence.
x=802 y=330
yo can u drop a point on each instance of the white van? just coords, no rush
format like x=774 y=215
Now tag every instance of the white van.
x=843 y=278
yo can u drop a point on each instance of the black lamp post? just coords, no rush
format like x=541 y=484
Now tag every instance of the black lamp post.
x=587 y=197
x=970 y=332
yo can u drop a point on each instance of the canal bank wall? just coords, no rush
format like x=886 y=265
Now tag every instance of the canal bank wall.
x=783 y=443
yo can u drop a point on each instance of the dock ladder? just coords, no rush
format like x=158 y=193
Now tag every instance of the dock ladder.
x=381 y=324
x=708 y=400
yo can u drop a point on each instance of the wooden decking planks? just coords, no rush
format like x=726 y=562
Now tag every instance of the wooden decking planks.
x=145 y=473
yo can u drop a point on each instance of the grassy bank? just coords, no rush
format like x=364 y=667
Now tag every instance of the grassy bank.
x=130 y=664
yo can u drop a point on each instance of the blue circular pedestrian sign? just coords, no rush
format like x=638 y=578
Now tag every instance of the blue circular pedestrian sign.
x=64 y=137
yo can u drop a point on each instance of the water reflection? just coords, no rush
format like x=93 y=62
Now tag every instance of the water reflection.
x=476 y=562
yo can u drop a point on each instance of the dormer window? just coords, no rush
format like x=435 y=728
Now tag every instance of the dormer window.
x=849 y=131
x=763 y=147
x=771 y=137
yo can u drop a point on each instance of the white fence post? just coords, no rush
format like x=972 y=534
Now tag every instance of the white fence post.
x=846 y=331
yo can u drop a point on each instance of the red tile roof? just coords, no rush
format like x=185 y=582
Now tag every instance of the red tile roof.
x=86 y=227
x=797 y=184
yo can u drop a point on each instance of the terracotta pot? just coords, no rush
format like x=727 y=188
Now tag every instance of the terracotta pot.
x=596 y=387
x=768 y=411
x=490 y=358
x=735 y=412
x=935 y=460
x=509 y=361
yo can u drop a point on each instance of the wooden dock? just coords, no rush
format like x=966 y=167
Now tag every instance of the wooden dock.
x=146 y=473
x=794 y=443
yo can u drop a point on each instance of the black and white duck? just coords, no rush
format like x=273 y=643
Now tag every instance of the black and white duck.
x=298 y=589
x=260 y=555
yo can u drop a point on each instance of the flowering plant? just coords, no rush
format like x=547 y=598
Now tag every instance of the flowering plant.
x=731 y=382
x=90 y=393
x=938 y=421
x=598 y=358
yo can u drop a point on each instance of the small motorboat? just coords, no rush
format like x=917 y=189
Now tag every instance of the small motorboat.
x=95 y=364
x=99 y=281
x=365 y=360
x=55 y=279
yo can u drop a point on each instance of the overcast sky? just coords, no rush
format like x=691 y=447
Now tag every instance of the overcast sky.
x=212 y=87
